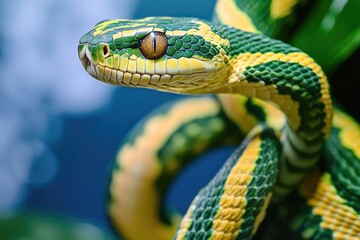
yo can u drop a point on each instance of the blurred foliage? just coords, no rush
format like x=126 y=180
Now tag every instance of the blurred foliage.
x=331 y=32
x=48 y=227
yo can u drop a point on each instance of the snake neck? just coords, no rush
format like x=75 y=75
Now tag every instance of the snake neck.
x=275 y=78
x=275 y=72
x=282 y=75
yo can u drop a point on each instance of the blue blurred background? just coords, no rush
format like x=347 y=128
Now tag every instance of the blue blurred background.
x=59 y=128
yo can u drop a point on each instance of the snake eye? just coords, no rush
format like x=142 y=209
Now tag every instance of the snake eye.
x=153 y=45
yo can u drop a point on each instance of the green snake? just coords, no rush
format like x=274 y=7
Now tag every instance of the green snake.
x=234 y=58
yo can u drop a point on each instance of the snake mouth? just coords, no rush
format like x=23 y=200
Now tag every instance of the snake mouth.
x=165 y=77
x=117 y=76
x=86 y=59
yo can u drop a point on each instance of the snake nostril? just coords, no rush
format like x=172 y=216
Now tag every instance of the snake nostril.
x=106 y=50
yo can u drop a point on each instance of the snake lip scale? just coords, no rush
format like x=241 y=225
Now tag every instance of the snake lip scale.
x=93 y=69
x=86 y=61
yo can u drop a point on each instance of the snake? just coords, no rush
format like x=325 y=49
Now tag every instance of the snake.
x=262 y=94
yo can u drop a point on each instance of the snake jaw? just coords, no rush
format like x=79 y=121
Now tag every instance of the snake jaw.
x=86 y=59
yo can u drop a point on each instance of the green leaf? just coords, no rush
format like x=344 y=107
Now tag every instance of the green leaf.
x=331 y=32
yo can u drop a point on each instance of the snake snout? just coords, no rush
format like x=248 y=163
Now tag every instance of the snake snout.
x=86 y=59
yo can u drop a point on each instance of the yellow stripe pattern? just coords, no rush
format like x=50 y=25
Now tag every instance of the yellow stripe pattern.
x=281 y=8
x=135 y=201
x=336 y=216
x=231 y=15
x=350 y=132
x=234 y=107
x=228 y=219
x=231 y=207
x=270 y=93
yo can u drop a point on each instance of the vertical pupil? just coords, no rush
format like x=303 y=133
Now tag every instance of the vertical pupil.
x=153 y=36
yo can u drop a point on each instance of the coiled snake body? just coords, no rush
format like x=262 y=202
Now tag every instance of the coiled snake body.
x=234 y=59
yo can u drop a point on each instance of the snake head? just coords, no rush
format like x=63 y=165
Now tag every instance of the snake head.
x=184 y=55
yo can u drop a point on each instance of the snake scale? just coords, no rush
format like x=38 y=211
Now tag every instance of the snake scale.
x=236 y=58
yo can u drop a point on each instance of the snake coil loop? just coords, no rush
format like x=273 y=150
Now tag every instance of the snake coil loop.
x=235 y=60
